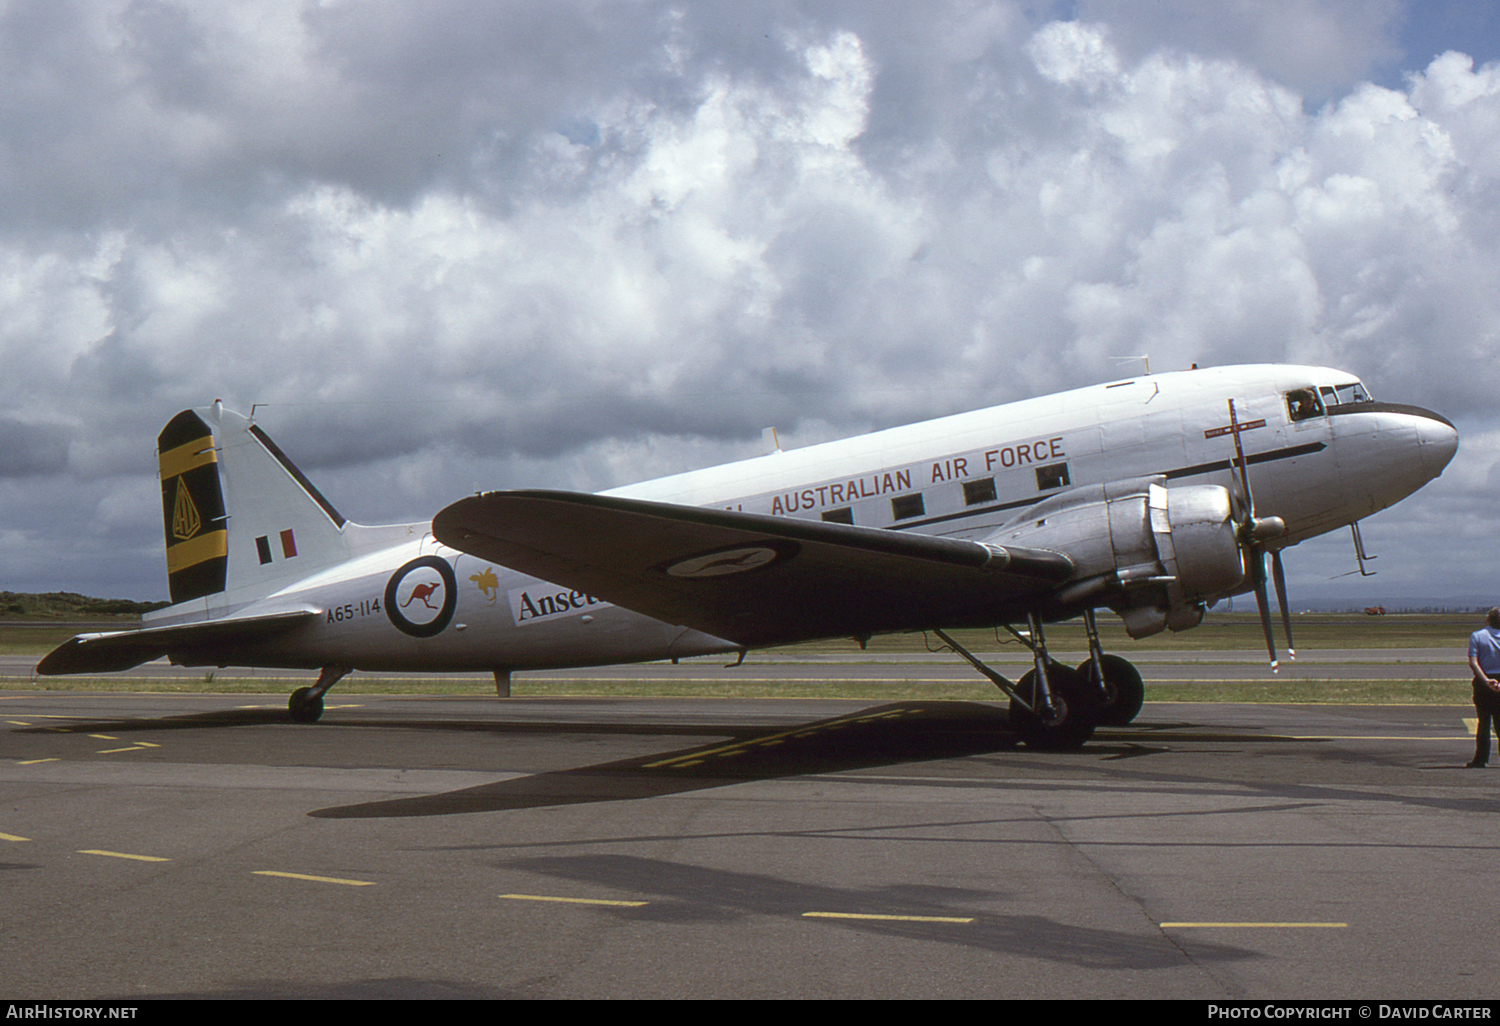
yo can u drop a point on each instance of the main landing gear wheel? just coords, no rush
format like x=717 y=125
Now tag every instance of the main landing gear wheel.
x=305 y=708
x=1072 y=719
x=306 y=704
x=1124 y=691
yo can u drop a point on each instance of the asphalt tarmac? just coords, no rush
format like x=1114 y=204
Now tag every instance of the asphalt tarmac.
x=202 y=846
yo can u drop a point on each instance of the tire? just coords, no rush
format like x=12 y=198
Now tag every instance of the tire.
x=1123 y=687
x=1075 y=716
x=304 y=709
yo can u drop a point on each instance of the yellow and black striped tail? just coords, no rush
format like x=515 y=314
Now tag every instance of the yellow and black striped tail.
x=192 y=503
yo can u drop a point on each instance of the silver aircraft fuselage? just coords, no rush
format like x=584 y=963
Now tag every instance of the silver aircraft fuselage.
x=1320 y=456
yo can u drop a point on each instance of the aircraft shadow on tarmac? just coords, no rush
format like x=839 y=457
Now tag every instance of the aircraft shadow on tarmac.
x=902 y=732
x=188 y=721
x=677 y=892
x=881 y=736
x=887 y=735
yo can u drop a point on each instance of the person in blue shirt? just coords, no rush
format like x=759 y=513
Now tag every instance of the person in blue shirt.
x=1484 y=660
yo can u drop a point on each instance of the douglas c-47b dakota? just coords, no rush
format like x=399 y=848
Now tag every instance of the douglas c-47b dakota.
x=1153 y=497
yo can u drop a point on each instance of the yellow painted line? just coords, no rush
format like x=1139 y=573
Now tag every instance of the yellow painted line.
x=33 y=762
x=1128 y=733
x=13 y=837
x=146 y=744
x=18 y=723
x=315 y=879
x=104 y=737
x=1255 y=926
x=1278 y=678
x=899 y=919
x=1369 y=737
x=1471 y=724
x=574 y=901
x=112 y=751
x=282 y=705
x=958 y=679
x=121 y=855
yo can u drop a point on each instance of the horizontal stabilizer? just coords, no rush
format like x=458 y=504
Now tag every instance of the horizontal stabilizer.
x=749 y=578
x=120 y=650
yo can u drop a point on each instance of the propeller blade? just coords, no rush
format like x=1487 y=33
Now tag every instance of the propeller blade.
x=1278 y=577
x=1239 y=452
x=1263 y=604
x=1252 y=532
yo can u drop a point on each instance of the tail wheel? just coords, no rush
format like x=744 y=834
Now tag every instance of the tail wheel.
x=304 y=708
x=1124 y=691
x=1072 y=719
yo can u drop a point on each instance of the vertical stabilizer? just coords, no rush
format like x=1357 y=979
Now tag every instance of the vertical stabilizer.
x=242 y=522
x=192 y=508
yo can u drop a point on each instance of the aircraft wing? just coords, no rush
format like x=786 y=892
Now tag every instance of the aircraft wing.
x=749 y=578
x=120 y=650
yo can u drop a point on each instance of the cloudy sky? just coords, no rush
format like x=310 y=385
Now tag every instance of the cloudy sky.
x=460 y=245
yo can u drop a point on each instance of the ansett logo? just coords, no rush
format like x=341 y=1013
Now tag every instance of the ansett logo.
x=185 y=519
x=544 y=602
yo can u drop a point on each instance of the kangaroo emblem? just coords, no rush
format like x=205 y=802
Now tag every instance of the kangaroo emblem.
x=423 y=592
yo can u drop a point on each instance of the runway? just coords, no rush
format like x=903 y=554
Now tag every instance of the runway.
x=202 y=846
x=1156 y=666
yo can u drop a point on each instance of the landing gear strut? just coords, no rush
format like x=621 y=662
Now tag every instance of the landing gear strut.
x=306 y=704
x=1052 y=708
x=1118 y=683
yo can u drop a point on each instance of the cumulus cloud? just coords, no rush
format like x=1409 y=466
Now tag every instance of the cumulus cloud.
x=1314 y=47
x=477 y=245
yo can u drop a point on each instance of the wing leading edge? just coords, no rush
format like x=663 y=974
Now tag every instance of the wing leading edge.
x=751 y=579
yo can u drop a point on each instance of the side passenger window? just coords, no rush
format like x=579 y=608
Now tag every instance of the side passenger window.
x=982 y=490
x=1054 y=475
x=907 y=506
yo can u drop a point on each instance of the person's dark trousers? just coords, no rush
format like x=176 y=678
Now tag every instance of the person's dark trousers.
x=1487 y=705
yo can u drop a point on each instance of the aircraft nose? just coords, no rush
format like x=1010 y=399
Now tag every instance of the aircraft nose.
x=1437 y=440
x=1389 y=450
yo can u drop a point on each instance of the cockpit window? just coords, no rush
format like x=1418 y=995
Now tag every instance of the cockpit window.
x=1342 y=395
x=1303 y=403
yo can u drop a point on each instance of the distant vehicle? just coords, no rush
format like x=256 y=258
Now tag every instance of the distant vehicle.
x=1374 y=610
x=1134 y=496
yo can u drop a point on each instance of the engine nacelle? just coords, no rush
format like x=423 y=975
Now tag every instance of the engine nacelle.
x=1154 y=554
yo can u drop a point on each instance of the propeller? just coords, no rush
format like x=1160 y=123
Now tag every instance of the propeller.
x=1279 y=579
x=1252 y=533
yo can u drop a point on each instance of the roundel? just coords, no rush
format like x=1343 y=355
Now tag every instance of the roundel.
x=420 y=597
x=738 y=559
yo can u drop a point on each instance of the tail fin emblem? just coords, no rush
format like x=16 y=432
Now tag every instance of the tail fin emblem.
x=185 y=519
